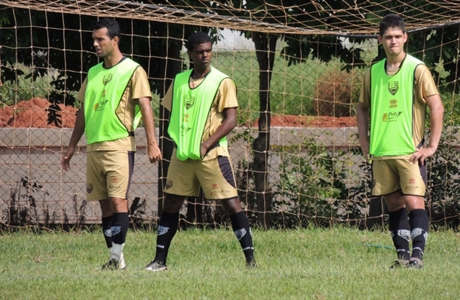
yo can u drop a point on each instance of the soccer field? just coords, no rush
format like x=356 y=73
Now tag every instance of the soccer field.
x=337 y=263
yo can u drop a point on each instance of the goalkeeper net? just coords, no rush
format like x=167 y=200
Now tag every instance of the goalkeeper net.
x=298 y=68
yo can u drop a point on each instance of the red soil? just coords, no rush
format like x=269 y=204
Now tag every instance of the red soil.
x=33 y=113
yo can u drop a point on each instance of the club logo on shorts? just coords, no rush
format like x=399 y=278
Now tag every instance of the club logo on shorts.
x=169 y=184
x=393 y=87
x=89 y=188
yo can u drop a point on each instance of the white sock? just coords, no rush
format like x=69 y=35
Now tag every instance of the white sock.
x=116 y=251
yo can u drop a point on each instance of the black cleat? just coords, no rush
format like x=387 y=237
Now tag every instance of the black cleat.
x=112 y=264
x=155 y=266
x=251 y=263
x=415 y=263
x=400 y=263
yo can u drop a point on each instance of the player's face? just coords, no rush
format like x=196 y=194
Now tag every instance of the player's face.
x=102 y=43
x=393 y=41
x=201 y=56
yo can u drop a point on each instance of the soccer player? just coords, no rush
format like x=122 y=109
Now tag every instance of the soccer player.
x=394 y=96
x=114 y=96
x=203 y=104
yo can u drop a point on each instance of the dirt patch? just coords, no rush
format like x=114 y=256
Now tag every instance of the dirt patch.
x=311 y=121
x=34 y=113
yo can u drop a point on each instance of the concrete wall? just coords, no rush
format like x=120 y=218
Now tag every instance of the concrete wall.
x=31 y=179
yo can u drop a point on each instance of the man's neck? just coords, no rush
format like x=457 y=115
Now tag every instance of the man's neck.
x=198 y=74
x=112 y=60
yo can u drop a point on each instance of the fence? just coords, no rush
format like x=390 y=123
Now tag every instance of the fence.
x=295 y=151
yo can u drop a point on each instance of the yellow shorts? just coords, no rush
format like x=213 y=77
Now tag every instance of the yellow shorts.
x=391 y=175
x=108 y=174
x=215 y=177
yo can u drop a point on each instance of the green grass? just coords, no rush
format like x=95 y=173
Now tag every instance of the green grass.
x=337 y=263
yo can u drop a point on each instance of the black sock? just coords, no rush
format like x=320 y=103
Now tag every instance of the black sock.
x=167 y=228
x=400 y=232
x=240 y=225
x=120 y=225
x=418 y=220
x=106 y=230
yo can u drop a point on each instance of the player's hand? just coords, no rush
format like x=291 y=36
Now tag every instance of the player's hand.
x=65 y=162
x=154 y=153
x=364 y=143
x=421 y=154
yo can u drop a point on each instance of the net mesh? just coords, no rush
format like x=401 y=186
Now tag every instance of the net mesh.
x=296 y=156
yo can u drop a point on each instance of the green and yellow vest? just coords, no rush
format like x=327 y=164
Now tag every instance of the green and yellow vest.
x=392 y=98
x=104 y=91
x=189 y=112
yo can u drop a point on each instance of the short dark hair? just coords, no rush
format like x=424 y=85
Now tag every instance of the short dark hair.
x=113 y=28
x=391 y=21
x=197 y=38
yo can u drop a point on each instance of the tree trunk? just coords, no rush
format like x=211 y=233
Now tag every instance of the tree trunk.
x=265 y=49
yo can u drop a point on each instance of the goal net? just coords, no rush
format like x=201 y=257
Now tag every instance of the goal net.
x=298 y=69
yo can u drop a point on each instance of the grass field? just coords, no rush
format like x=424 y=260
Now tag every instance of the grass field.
x=337 y=263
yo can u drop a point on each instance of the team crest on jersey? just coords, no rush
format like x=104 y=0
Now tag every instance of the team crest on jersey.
x=106 y=79
x=189 y=102
x=89 y=188
x=393 y=87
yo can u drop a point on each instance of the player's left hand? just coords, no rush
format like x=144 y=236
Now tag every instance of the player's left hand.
x=421 y=154
x=154 y=153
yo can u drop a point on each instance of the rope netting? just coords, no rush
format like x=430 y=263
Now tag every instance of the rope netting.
x=288 y=17
x=298 y=64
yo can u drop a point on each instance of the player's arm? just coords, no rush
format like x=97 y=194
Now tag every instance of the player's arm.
x=362 y=112
x=434 y=102
x=228 y=105
x=224 y=129
x=77 y=133
x=153 y=150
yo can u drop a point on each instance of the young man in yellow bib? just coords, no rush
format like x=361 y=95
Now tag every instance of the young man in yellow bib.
x=394 y=96
x=114 y=96
x=203 y=104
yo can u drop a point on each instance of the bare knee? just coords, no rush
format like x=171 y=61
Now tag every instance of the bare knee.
x=231 y=206
x=106 y=208
x=173 y=203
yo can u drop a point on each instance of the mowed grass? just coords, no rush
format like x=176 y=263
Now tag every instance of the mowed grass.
x=336 y=263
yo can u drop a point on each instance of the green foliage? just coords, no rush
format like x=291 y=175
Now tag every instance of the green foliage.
x=314 y=186
x=29 y=84
x=443 y=186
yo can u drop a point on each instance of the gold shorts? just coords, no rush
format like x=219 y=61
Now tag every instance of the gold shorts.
x=391 y=175
x=108 y=174
x=215 y=177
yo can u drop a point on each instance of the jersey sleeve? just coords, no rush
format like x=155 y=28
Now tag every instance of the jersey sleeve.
x=227 y=95
x=425 y=84
x=140 y=84
x=167 y=99
x=82 y=91
x=365 y=94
